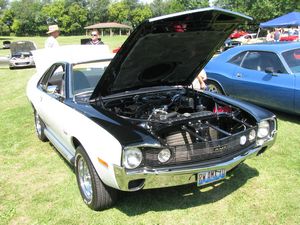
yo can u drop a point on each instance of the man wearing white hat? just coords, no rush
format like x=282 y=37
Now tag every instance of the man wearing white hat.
x=51 y=41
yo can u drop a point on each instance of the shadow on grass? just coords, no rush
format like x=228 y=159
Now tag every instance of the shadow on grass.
x=182 y=197
x=5 y=38
x=287 y=117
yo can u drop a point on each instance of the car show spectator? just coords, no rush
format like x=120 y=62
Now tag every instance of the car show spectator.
x=53 y=32
x=199 y=82
x=95 y=39
x=270 y=36
x=277 y=35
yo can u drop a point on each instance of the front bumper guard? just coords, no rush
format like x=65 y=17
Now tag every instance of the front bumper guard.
x=167 y=177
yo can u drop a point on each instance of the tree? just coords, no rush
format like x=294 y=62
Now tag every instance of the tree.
x=119 y=12
x=129 y=12
x=98 y=11
x=139 y=14
x=25 y=20
x=260 y=10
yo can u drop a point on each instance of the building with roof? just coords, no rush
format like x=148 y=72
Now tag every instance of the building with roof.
x=111 y=26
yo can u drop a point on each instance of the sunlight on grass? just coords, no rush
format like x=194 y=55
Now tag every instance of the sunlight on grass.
x=38 y=187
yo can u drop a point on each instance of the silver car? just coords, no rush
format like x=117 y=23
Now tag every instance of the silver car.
x=21 y=54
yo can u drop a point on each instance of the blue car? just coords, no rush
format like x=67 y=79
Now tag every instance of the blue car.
x=265 y=74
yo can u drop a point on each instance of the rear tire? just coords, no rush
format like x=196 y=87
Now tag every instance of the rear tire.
x=39 y=127
x=94 y=192
x=214 y=87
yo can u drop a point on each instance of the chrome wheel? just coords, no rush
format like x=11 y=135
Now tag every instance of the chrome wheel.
x=94 y=192
x=38 y=124
x=85 y=179
x=39 y=127
x=215 y=88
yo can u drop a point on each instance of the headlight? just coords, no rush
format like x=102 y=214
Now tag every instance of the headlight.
x=132 y=158
x=252 y=135
x=243 y=140
x=164 y=155
x=263 y=129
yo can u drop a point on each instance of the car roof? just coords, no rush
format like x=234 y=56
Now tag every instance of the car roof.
x=72 y=54
x=272 y=47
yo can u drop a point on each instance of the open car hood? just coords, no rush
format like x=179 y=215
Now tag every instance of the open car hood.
x=168 y=50
x=21 y=46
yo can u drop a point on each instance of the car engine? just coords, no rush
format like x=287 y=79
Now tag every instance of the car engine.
x=181 y=116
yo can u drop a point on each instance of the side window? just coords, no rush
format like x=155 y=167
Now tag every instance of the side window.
x=252 y=61
x=292 y=58
x=263 y=61
x=237 y=59
x=271 y=62
x=54 y=82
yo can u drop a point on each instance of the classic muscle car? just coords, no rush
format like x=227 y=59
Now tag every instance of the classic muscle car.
x=129 y=121
x=264 y=74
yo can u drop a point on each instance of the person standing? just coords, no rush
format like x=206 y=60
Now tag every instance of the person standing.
x=270 y=36
x=53 y=32
x=199 y=82
x=277 y=35
x=95 y=40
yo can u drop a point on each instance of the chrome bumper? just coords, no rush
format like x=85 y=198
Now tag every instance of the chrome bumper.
x=177 y=175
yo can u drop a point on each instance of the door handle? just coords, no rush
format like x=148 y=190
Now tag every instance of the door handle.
x=41 y=98
x=239 y=75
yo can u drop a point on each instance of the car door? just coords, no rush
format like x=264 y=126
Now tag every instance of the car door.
x=261 y=78
x=53 y=110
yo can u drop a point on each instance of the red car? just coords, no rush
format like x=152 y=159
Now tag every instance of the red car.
x=237 y=34
x=289 y=38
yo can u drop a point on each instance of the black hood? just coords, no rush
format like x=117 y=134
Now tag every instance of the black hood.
x=168 y=50
x=21 y=46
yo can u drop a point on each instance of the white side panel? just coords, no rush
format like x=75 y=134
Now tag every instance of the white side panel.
x=69 y=123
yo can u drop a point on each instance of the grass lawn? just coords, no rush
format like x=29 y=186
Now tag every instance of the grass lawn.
x=38 y=187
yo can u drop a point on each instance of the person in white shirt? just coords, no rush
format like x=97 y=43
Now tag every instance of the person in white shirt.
x=51 y=41
x=199 y=82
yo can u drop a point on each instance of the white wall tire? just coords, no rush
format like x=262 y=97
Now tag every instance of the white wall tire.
x=39 y=127
x=94 y=192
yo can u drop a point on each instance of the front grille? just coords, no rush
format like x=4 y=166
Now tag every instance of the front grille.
x=199 y=152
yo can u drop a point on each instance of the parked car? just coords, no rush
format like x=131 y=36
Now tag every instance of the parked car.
x=229 y=43
x=237 y=34
x=265 y=74
x=21 y=55
x=289 y=36
x=249 y=39
x=129 y=121
x=6 y=44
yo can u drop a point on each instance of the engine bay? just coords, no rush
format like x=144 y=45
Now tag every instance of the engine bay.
x=181 y=116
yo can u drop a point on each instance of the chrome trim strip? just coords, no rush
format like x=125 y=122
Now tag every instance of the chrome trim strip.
x=166 y=177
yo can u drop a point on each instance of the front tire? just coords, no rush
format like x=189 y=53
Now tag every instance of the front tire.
x=94 y=192
x=214 y=87
x=39 y=127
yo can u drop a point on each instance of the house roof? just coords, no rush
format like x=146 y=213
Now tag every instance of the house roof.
x=107 y=25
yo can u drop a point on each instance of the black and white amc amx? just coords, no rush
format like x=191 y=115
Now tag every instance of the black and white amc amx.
x=130 y=121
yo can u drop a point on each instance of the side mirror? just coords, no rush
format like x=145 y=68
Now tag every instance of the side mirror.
x=52 y=89
x=270 y=70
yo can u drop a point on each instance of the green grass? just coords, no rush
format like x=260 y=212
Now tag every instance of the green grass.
x=38 y=187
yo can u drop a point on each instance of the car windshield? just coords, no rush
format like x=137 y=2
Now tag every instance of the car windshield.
x=292 y=58
x=85 y=76
x=22 y=54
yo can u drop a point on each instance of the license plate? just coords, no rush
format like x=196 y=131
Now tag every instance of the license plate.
x=210 y=176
